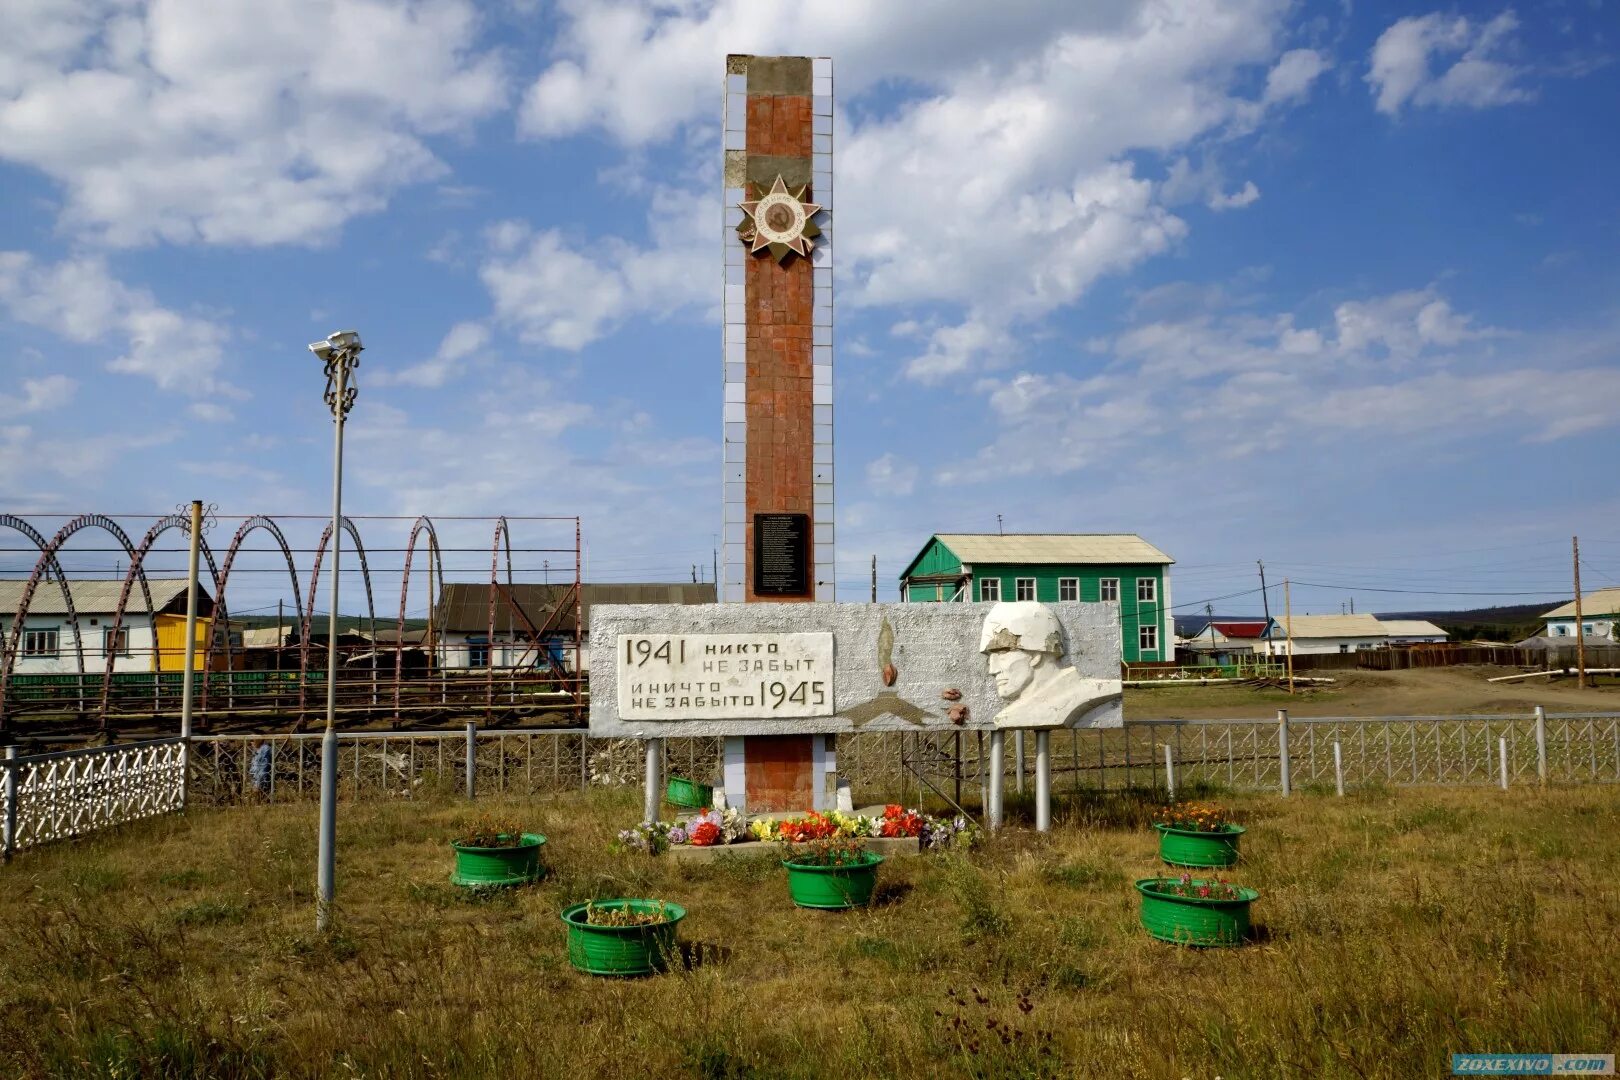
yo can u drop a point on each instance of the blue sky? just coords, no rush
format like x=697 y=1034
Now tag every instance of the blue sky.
x=1332 y=285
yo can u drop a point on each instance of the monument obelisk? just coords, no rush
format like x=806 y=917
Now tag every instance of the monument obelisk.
x=778 y=426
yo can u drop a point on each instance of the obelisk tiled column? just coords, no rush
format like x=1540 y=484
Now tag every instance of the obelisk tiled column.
x=778 y=443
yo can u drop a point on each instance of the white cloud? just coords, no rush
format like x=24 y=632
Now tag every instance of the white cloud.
x=565 y=295
x=464 y=340
x=78 y=300
x=1401 y=72
x=211 y=412
x=39 y=395
x=1293 y=75
x=890 y=476
x=1235 y=200
x=1233 y=386
x=232 y=121
x=1403 y=323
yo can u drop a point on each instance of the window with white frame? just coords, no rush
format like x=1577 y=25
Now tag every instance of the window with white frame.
x=39 y=642
x=112 y=645
x=1024 y=588
x=1108 y=590
x=1147 y=590
x=1147 y=638
x=1068 y=588
x=990 y=589
x=1560 y=631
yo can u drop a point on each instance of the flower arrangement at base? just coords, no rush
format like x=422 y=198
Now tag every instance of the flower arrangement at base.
x=1185 y=886
x=488 y=832
x=895 y=822
x=1195 y=817
x=833 y=851
x=655 y=914
x=708 y=829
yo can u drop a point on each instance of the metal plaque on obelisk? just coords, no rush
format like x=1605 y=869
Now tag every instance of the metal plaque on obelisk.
x=778 y=456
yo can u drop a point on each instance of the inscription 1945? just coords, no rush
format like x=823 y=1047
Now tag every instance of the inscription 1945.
x=724 y=676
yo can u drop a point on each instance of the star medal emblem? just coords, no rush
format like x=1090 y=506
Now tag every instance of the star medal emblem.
x=778 y=221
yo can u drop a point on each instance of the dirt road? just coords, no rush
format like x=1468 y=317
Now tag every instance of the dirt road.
x=1420 y=692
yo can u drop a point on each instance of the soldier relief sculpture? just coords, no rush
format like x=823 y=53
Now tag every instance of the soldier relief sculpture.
x=1025 y=645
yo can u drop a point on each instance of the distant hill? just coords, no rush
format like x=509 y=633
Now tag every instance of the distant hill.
x=1510 y=622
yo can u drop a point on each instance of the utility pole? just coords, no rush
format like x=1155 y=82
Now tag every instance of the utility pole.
x=1209 y=613
x=716 y=578
x=191 y=650
x=1288 y=614
x=999 y=531
x=1580 y=629
x=874 y=579
x=279 y=641
x=694 y=573
x=1352 y=605
x=1265 y=601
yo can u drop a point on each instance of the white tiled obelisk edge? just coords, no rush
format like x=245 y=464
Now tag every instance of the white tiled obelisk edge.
x=821 y=344
x=936 y=647
x=734 y=360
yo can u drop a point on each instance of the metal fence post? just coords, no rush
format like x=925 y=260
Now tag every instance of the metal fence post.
x=1169 y=774
x=1043 y=781
x=997 y=763
x=472 y=759
x=650 y=797
x=1541 y=745
x=1501 y=749
x=1282 y=750
x=8 y=843
x=1338 y=769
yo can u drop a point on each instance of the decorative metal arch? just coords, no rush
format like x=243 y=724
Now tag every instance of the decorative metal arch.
x=137 y=566
x=365 y=574
x=223 y=579
x=45 y=562
x=136 y=570
x=422 y=524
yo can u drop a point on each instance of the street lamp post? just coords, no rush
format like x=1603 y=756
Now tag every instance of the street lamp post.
x=340 y=352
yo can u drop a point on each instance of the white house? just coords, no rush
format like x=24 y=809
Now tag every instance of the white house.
x=1304 y=634
x=46 y=645
x=1414 y=632
x=1600 y=616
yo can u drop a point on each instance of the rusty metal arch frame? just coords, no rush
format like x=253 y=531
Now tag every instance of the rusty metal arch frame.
x=502 y=529
x=421 y=525
x=222 y=579
x=365 y=573
x=45 y=562
x=137 y=570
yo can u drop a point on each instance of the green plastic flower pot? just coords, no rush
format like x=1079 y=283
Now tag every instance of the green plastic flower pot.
x=688 y=793
x=621 y=950
x=832 y=888
x=1193 y=920
x=493 y=867
x=1189 y=847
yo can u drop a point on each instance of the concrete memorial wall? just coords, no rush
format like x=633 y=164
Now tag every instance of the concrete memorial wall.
x=780 y=669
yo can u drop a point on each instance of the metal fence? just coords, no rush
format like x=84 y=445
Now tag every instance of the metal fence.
x=73 y=792
x=931 y=768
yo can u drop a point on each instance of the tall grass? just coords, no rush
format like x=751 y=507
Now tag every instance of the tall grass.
x=1394 y=929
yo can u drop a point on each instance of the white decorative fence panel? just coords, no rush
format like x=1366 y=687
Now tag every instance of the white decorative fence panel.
x=73 y=792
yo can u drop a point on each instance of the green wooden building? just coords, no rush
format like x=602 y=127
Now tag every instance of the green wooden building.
x=1118 y=567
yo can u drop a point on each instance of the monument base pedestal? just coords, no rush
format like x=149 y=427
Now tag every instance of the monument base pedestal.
x=781 y=773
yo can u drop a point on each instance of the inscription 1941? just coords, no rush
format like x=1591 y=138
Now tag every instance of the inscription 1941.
x=724 y=676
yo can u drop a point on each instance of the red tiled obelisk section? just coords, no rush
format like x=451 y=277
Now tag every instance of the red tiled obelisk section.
x=779 y=392
x=779 y=769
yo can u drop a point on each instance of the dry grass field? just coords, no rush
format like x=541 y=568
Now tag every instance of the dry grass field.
x=1394 y=929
